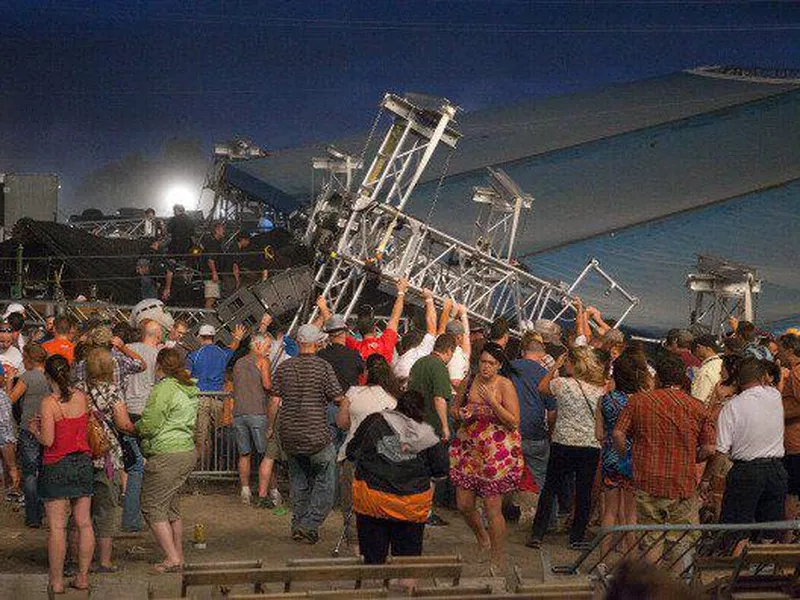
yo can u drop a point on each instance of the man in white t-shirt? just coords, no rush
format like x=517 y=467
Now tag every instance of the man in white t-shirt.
x=458 y=367
x=10 y=356
x=136 y=391
x=402 y=366
x=750 y=431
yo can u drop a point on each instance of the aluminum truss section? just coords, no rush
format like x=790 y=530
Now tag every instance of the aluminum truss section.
x=38 y=310
x=368 y=228
x=498 y=232
x=722 y=289
x=113 y=228
x=338 y=170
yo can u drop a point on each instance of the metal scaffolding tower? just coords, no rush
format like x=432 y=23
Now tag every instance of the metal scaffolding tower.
x=722 y=289
x=375 y=238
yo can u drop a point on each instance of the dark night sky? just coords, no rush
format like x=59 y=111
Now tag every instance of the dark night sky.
x=85 y=83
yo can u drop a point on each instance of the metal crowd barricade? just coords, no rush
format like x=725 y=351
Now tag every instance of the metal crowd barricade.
x=215 y=439
x=684 y=550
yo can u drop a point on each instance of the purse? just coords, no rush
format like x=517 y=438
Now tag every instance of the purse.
x=96 y=436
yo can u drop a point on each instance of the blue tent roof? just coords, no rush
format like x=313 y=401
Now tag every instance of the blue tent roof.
x=642 y=175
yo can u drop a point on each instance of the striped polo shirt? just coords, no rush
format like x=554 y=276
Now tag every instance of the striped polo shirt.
x=305 y=385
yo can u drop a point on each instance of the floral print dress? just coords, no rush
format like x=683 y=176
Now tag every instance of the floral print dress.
x=485 y=456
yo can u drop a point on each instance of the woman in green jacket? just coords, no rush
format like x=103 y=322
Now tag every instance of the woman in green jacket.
x=166 y=429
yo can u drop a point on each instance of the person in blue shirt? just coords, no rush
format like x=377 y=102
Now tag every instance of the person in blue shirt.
x=207 y=365
x=537 y=412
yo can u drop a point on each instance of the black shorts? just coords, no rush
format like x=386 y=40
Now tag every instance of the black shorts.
x=792 y=464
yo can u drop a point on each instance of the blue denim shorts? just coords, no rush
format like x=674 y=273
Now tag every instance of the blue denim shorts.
x=251 y=431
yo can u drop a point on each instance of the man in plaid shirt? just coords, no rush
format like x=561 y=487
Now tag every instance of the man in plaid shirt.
x=670 y=432
x=126 y=361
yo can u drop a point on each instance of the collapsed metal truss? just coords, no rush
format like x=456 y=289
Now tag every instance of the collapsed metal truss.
x=80 y=312
x=722 y=289
x=376 y=238
x=113 y=228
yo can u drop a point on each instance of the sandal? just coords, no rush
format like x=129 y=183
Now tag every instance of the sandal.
x=163 y=568
x=534 y=543
x=75 y=586
x=51 y=593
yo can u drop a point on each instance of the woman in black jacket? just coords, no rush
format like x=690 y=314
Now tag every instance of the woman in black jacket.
x=395 y=454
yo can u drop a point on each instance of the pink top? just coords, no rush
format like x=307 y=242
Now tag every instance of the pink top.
x=70 y=437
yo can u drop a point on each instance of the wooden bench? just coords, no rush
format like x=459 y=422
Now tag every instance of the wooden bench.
x=348 y=572
x=557 y=591
x=782 y=556
x=449 y=592
x=316 y=594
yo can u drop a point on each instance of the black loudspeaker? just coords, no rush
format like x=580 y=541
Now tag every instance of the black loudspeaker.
x=284 y=293
x=234 y=304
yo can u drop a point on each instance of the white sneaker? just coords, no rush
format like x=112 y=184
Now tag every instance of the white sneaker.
x=245 y=495
x=276 y=497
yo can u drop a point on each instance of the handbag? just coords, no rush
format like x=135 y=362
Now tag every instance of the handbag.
x=99 y=443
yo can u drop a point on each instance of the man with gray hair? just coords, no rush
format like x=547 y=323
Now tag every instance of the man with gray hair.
x=251 y=383
x=302 y=388
x=136 y=391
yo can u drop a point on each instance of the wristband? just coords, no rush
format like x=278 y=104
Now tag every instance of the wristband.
x=401 y=293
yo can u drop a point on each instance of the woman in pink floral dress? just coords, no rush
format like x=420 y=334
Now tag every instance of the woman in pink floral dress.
x=486 y=454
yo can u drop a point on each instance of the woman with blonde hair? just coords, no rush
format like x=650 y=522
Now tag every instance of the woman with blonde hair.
x=110 y=410
x=574 y=449
x=167 y=434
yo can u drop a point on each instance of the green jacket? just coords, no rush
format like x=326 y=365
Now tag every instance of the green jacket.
x=168 y=421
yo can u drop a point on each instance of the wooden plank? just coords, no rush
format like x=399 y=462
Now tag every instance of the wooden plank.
x=424 y=559
x=461 y=590
x=320 y=594
x=786 y=555
x=583 y=590
x=759 y=596
x=233 y=564
x=308 y=562
x=319 y=573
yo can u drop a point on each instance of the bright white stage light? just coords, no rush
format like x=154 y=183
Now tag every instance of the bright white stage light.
x=180 y=194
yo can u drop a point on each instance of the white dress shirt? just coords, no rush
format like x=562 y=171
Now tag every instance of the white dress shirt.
x=750 y=425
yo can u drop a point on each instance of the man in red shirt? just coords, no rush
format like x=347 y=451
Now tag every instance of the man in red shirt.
x=61 y=344
x=670 y=432
x=371 y=343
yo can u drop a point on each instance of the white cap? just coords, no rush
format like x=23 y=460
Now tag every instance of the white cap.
x=207 y=331
x=13 y=308
x=310 y=334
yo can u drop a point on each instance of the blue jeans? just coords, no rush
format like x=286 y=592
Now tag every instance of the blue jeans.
x=312 y=482
x=536 y=454
x=250 y=431
x=30 y=463
x=131 y=504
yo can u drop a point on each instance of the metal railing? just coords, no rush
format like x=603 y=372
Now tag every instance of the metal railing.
x=684 y=550
x=216 y=441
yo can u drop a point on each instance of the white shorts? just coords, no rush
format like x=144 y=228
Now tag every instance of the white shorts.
x=211 y=289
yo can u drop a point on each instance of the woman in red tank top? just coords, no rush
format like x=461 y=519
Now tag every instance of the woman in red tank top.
x=66 y=478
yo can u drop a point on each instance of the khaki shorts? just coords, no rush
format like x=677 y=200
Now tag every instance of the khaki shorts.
x=106 y=504
x=211 y=289
x=164 y=475
x=652 y=510
x=274 y=448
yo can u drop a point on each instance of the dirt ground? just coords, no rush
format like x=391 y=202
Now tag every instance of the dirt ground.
x=234 y=532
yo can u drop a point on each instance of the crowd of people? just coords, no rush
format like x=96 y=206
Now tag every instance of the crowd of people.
x=110 y=424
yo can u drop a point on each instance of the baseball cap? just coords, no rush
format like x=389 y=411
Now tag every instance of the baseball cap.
x=455 y=327
x=13 y=308
x=207 y=331
x=335 y=323
x=309 y=334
